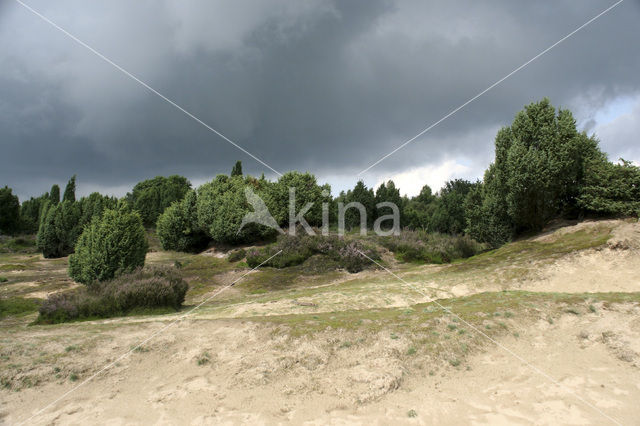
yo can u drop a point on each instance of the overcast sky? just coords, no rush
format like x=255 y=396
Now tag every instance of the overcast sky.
x=319 y=86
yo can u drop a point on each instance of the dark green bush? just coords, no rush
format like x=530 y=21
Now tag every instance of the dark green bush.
x=9 y=212
x=151 y=197
x=177 y=227
x=140 y=290
x=59 y=229
x=611 y=189
x=222 y=205
x=112 y=244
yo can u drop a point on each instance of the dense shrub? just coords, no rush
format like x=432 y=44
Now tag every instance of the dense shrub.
x=138 y=290
x=297 y=249
x=9 y=211
x=94 y=205
x=112 y=244
x=177 y=227
x=59 y=229
x=611 y=189
x=419 y=246
x=306 y=190
x=151 y=197
x=30 y=214
x=222 y=205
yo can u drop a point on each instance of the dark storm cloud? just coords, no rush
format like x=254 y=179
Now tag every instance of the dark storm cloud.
x=328 y=87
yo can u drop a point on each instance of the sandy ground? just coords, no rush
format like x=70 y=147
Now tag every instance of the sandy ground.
x=586 y=368
x=252 y=376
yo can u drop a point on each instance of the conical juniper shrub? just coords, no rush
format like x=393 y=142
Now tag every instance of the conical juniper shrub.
x=110 y=245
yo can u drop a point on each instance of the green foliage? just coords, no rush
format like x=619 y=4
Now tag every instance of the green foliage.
x=418 y=211
x=151 y=197
x=9 y=211
x=538 y=174
x=297 y=249
x=17 y=306
x=177 y=227
x=387 y=192
x=59 y=229
x=54 y=194
x=30 y=214
x=306 y=189
x=70 y=190
x=448 y=214
x=359 y=194
x=140 y=290
x=420 y=246
x=611 y=189
x=237 y=169
x=110 y=245
x=94 y=205
x=222 y=204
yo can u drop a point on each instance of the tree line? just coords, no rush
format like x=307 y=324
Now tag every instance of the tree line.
x=544 y=168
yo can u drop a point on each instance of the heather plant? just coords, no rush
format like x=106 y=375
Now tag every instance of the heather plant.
x=419 y=246
x=139 y=290
x=297 y=249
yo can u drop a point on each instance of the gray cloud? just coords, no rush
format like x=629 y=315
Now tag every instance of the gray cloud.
x=328 y=87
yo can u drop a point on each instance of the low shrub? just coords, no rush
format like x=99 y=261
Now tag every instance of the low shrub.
x=236 y=255
x=297 y=249
x=138 y=290
x=418 y=246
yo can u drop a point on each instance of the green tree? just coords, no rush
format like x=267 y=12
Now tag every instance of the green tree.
x=110 y=245
x=237 y=169
x=418 y=211
x=363 y=195
x=54 y=194
x=9 y=211
x=70 y=190
x=611 y=189
x=94 y=205
x=222 y=204
x=306 y=190
x=151 y=197
x=59 y=229
x=30 y=214
x=538 y=173
x=387 y=192
x=448 y=215
x=177 y=227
